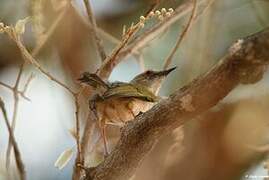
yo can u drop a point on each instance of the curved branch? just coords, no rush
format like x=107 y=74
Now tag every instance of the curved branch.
x=245 y=63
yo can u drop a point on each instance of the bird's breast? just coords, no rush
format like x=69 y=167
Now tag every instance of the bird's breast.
x=120 y=110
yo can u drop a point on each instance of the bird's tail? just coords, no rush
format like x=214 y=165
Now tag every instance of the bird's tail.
x=93 y=80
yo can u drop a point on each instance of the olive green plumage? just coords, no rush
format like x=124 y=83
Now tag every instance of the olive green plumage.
x=141 y=87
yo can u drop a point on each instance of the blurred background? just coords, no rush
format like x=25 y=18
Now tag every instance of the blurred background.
x=227 y=142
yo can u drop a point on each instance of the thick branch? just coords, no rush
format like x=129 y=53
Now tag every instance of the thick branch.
x=244 y=63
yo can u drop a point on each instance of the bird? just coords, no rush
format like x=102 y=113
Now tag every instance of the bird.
x=116 y=103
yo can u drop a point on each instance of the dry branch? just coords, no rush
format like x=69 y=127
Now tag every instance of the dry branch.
x=245 y=63
x=15 y=112
x=181 y=37
x=146 y=37
x=17 y=153
x=16 y=93
x=97 y=40
x=11 y=32
x=21 y=93
x=110 y=62
x=15 y=89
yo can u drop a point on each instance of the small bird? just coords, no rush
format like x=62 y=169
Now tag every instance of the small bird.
x=118 y=102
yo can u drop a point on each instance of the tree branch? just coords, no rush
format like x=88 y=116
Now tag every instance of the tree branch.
x=15 y=112
x=98 y=42
x=245 y=63
x=17 y=153
x=152 y=33
x=181 y=36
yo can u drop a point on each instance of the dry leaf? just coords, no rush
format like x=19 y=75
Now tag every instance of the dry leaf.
x=64 y=158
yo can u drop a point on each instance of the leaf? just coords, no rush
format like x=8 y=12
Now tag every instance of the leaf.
x=20 y=25
x=64 y=158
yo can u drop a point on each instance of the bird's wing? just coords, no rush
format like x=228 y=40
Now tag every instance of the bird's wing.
x=130 y=90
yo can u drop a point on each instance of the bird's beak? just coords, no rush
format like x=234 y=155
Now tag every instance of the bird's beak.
x=166 y=72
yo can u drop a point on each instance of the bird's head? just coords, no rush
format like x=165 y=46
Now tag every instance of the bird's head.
x=151 y=79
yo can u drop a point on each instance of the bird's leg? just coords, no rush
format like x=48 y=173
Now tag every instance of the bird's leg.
x=101 y=122
x=102 y=126
x=92 y=106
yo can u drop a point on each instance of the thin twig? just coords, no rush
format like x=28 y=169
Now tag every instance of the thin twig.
x=16 y=94
x=21 y=93
x=146 y=37
x=15 y=90
x=29 y=80
x=108 y=65
x=98 y=41
x=15 y=113
x=181 y=37
x=17 y=153
x=6 y=86
x=110 y=62
x=100 y=31
x=139 y=56
x=29 y=58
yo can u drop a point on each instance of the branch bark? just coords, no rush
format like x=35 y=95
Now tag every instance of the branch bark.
x=244 y=63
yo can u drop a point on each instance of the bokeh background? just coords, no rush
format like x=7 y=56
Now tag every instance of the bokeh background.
x=223 y=143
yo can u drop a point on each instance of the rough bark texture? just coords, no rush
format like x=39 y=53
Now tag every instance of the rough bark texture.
x=244 y=63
